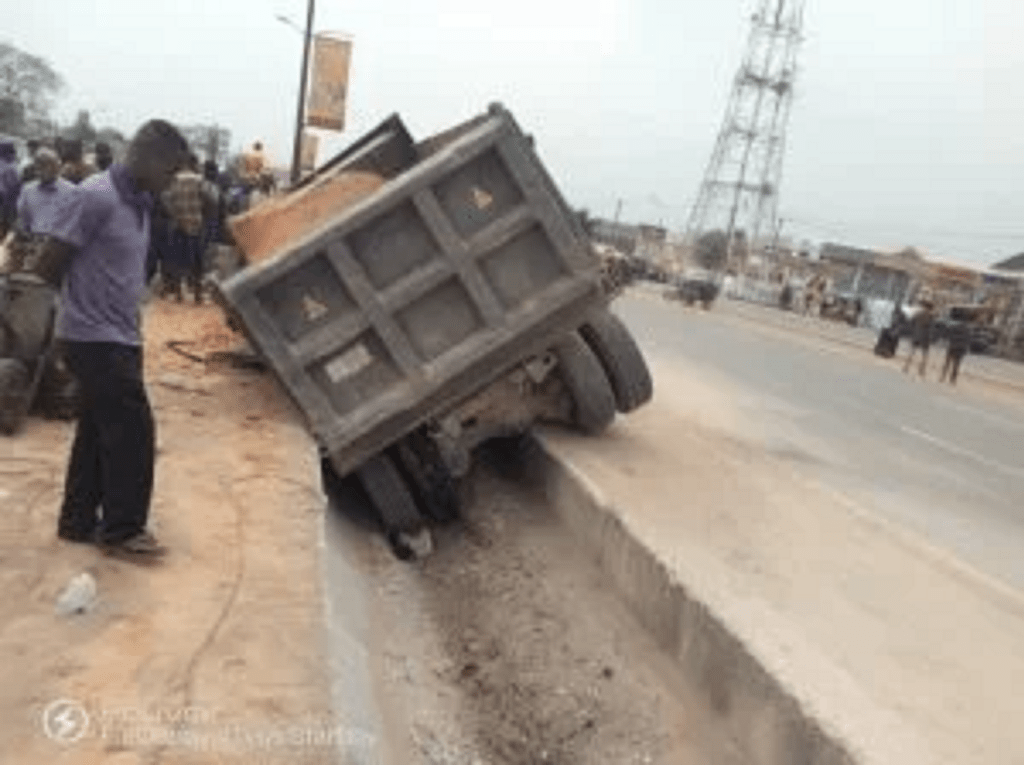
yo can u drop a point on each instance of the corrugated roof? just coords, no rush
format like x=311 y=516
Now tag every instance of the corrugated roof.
x=1016 y=263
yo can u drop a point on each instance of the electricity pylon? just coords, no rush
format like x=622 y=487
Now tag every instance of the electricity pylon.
x=740 y=190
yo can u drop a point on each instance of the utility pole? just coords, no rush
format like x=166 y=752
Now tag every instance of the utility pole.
x=740 y=190
x=300 y=115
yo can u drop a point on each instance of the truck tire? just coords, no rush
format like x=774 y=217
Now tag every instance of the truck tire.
x=593 y=400
x=403 y=525
x=434 y=486
x=620 y=356
x=14 y=384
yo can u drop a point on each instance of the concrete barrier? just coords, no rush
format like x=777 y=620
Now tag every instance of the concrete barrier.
x=766 y=722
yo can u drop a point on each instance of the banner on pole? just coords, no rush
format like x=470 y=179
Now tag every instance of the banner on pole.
x=328 y=92
x=310 y=147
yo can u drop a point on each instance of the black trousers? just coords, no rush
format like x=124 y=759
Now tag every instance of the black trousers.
x=951 y=367
x=113 y=455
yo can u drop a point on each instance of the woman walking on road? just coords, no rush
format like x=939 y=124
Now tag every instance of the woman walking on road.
x=958 y=344
x=921 y=326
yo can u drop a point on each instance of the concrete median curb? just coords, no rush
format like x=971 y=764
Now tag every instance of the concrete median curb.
x=765 y=721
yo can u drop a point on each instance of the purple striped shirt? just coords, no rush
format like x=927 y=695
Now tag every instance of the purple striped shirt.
x=43 y=209
x=105 y=284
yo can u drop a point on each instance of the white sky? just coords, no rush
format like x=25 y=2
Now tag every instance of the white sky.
x=908 y=126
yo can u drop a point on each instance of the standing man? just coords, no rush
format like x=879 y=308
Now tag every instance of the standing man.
x=100 y=251
x=921 y=327
x=42 y=205
x=254 y=162
x=29 y=171
x=104 y=156
x=43 y=202
x=958 y=343
x=10 y=186
x=184 y=203
x=75 y=168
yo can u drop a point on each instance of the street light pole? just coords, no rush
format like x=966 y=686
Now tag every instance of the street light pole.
x=303 y=81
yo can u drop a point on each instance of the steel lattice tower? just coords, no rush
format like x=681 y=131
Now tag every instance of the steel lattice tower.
x=740 y=190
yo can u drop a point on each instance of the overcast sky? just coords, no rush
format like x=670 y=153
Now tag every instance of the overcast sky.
x=908 y=124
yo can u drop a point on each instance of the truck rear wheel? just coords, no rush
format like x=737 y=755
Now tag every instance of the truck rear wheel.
x=14 y=385
x=592 y=396
x=403 y=524
x=432 y=482
x=620 y=356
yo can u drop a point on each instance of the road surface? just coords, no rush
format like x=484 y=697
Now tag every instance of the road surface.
x=945 y=462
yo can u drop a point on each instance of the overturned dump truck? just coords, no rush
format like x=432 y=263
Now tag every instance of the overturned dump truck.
x=420 y=299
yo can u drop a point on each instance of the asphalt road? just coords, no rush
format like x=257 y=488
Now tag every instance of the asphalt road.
x=947 y=463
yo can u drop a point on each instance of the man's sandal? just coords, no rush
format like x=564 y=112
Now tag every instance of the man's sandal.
x=142 y=546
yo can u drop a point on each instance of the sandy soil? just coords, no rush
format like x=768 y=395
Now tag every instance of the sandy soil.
x=213 y=655
x=283 y=220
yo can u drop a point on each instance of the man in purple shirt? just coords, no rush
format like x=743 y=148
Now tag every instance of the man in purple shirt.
x=42 y=206
x=45 y=202
x=99 y=252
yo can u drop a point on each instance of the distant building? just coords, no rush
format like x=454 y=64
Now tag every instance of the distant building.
x=1016 y=263
x=841 y=253
x=642 y=240
x=650 y=241
x=869 y=274
x=621 y=236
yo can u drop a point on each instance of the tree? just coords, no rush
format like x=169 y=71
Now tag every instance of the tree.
x=209 y=141
x=28 y=87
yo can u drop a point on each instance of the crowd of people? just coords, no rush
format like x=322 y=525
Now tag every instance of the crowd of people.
x=188 y=219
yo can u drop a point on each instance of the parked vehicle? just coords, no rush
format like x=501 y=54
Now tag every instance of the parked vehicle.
x=696 y=285
x=458 y=302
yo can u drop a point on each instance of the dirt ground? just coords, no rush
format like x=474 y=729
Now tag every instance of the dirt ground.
x=213 y=655
x=508 y=647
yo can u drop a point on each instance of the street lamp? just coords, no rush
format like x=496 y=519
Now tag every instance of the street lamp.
x=300 y=111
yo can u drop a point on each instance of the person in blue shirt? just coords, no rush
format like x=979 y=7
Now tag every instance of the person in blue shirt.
x=98 y=255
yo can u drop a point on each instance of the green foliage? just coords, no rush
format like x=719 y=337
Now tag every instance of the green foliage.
x=28 y=87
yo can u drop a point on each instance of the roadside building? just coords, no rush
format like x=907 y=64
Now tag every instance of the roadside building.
x=1010 y=273
x=622 y=236
x=871 y=275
